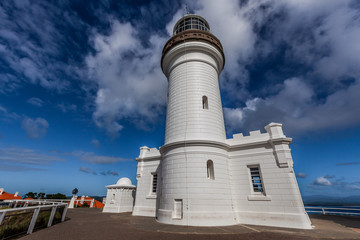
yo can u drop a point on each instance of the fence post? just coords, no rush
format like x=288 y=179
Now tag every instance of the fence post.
x=323 y=211
x=33 y=220
x=53 y=211
x=64 y=213
x=2 y=215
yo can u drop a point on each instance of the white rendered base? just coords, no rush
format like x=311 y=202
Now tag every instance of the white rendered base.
x=198 y=218
x=285 y=220
x=144 y=211
x=119 y=209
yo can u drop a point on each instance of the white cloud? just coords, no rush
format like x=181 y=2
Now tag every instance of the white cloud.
x=18 y=168
x=35 y=101
x=91 y=157
x=131 y=86
x=85 y=169
x=229 y=22
x=301 y=175
x=295 y=107
x=96 y=142
x=32 y=45
x=322 y=36
x=26 y=156
x=322 y=181
x=7 y=115
x=104 y=173
x=35 y=128
x=233 y=118
x=170 y=26
x=67 y=107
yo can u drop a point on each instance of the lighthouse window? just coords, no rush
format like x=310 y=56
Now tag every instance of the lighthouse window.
x=205 y=104
x=210 y=170
x=256 y=179
x=154 y=183
x=191 y=23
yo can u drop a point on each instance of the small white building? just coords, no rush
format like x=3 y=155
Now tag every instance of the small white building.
x=120 y=196
x=198 y=177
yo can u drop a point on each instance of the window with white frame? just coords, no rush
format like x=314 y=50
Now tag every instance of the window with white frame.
x=154 y=182
x=256 y=180
x=210 y=170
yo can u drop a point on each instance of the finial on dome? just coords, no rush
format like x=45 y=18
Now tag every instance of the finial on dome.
x=186 y=9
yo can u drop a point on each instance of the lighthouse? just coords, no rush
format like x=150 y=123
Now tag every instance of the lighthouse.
x=199 y=177
x=195 y=187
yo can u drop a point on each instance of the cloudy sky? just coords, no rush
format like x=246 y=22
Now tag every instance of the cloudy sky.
x=81 y=88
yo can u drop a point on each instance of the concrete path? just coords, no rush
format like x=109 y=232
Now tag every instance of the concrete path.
x=85 y=223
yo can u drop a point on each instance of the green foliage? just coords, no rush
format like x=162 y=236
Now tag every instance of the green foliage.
x=15 y=223
x=56 y=196
x=31 y=195
x=42 y=195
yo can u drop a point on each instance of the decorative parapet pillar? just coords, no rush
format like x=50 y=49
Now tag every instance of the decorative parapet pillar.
x=280 y=144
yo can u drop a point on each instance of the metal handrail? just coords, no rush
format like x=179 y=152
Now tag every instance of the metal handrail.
x=41 y=205
x=348 y=210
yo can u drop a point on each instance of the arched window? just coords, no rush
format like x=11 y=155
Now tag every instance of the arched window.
x=205 y=102
x=210 y=170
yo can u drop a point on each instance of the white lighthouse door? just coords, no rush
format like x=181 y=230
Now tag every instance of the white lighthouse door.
x=177 y=212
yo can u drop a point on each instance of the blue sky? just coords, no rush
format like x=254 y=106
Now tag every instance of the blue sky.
x=81 y=88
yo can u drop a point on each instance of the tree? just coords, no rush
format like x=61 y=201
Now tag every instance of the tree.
x=31 y=195
x=41 y=195
x=56 y=196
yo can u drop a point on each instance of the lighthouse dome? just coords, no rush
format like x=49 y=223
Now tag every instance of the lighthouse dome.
x=124 y=182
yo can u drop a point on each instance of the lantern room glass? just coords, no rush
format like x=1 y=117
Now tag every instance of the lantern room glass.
x=192 y=22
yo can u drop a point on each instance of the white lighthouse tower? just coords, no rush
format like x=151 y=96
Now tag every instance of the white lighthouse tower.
x=198 y=177
x=195 y=187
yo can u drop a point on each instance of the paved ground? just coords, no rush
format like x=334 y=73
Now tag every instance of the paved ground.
x=93 y=224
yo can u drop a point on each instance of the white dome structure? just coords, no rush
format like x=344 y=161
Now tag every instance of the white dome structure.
x=124 y=182
x=120 y=197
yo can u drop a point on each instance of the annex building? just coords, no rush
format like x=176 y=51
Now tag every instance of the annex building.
x=198 y=177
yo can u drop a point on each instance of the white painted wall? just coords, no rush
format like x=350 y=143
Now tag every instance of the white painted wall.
x=206 y=202
x=281 y=204
x=148 y=163
x=123 y=201
x=193 y=69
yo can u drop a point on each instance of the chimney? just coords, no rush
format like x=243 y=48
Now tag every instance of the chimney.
x=15 y=195
x=1 y=191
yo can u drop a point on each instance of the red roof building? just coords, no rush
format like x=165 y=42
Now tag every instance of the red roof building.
x=91 y=202
x=8 y=196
